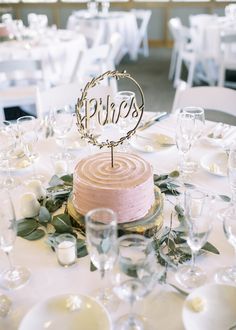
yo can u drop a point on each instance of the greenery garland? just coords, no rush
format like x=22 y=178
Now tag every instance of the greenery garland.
x=169 y=243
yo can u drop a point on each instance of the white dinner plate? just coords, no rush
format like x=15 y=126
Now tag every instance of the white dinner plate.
x=215 y=163
x=151 y=142
x=71 y=311
x=218 y=308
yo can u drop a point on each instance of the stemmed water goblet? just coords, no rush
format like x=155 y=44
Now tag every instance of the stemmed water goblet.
x=15 y=276
x=61 y=120
x=199 y=125
x=134 y=276
x=184 y=138
x=232 y=171
x=199 y=224
x=28 y=134
x=124 y=101
x=101 y=240
x=228 y=274
x=7 y=146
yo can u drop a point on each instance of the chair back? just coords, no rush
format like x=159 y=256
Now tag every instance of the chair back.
x=22 y=72
x=115 y=47
x=142 y=17
x=208 y=97
x=58 y=96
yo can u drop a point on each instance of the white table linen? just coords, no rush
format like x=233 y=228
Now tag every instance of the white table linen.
x=123 y=22
x=163 y=307
x=58 y=51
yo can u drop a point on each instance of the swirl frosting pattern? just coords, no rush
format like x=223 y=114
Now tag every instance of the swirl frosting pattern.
x=127 y=188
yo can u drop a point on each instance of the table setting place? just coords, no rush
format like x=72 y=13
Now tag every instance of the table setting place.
x=67 y=265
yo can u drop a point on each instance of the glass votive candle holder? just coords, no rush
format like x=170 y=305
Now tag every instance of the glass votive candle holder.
x=59 y=164
x=66 y=250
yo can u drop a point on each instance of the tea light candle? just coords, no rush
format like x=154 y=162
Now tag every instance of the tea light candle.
x=66 y=253
x=29 y=205
x=35 y=186
x=60 y=167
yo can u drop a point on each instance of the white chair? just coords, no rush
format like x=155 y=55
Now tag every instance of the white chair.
x=91 y=62
x=116 y=48
x=228 y=58
x=19 y=86
x=211 y=98
x=143 y=18
x=181 y=37
x=67 y=94
x=97 y=60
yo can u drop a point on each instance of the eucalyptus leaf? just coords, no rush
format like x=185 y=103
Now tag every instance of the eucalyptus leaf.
x=160 y=177
x=92 y=267
x=26 y=226
x=225 y=198
x=179 y=210
x=81 y=248
x=105 y=245
x=62 y=223
x=53 y=205
x=55 y=181
x=174 y=174
x=189 y=185
x=44 y=215
x=68 y=179
x=210 y=248
x=35 y=235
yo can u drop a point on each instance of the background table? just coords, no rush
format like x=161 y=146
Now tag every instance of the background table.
x=123 y=22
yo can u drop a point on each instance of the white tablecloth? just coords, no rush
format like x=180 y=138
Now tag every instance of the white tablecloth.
x=119 y=21
x=58 y=51
x=164 y=306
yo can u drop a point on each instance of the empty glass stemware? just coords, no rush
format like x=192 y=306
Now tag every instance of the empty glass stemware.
x=232 y=171
x=228 y=274
x=61 y=120
x=184 y=138
x=199 y=125
x=134 y=276
x=28 y=133
x=7 y=145
x=101 y=239
x=199 y=225
x=15 y=276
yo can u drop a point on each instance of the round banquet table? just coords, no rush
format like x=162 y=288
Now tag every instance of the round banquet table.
x=123 y=22
x=57 y=49
x=163 y=307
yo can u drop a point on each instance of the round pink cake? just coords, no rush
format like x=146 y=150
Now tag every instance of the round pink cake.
x=127 y=188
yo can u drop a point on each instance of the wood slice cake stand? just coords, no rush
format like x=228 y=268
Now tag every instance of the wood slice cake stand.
x=148 y=225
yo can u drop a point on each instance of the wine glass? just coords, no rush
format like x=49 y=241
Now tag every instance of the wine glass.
x=199 y=125
x=7 y=146
x=101 y=240
x=199 y=225
x=232 y=171
x=61 y=120
x=228 y=274
x=15 y=276
x=184 y=138
x=124 y=101
x=134 y=276
x=28 y=133
x=199 y=117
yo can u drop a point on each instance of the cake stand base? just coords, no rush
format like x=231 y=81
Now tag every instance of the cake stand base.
x=149 y=225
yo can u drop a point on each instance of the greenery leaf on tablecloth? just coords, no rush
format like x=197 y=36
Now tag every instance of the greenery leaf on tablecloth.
x=169 y=243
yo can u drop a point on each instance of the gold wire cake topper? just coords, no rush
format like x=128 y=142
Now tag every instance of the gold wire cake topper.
x=93 y=113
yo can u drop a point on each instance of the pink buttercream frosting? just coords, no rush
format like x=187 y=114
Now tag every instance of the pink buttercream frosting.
x=127 y=188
